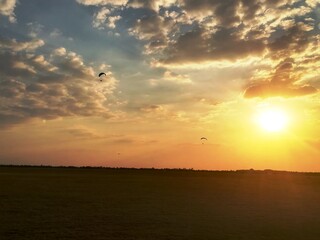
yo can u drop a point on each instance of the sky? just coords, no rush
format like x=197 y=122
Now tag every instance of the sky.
x=176 y=71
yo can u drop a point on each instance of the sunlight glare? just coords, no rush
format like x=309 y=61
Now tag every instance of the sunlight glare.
x=273 y=120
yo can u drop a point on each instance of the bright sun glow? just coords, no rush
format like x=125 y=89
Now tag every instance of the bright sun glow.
x=273 y=120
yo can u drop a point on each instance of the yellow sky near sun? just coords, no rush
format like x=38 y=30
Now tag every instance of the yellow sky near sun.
x=175 y=71
x=235 y=140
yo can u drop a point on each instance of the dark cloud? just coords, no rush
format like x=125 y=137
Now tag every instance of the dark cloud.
x=199 y=46
x=82 y=133
x=149 y=27
x=198 y=31
x=225 y=12
x=48 y=87
x=212 y=30
x=203 y=30
x=58 y=84
x=278 y=90
x=11 y=88
x=155 y=30
x=282 y=83
x=15 y=65
x=50 y=101
x=295 y=39
x=152 y=108
x=8 y=120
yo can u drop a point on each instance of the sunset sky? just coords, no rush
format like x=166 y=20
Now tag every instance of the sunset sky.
x=176 y=71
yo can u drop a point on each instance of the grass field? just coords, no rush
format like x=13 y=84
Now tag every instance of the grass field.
x=87 y=203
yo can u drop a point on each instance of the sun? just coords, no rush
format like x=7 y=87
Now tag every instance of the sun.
x=273 y=120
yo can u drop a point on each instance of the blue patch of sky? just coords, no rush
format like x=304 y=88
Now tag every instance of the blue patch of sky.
x=172 y=8
x=136 y=62
x=123 y=53
x=280 y=31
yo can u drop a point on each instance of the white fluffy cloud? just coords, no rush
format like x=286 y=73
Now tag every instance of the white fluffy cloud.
x=102 y=2
x=151 y=4
x=105 y=18
x=21 y=46
x=7 y=8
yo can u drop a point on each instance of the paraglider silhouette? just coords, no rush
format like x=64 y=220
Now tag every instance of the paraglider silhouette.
x=203 y=139
x=101 y=74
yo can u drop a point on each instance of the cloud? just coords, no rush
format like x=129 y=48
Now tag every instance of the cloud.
x=56 y=33
x=7 y=8
x=143 y=4
x=51 y=86
x=224 y=11
x=151 y=4
x=148 y=27
x=199 y=46
x=49 y=101
x=201 y=31
x=152 y=108
x=102 y=2
x=273 y=90
x=16 y=46
x=53 y=101
x=70 y=65
x=295 y=40
x=209 y=31
x=105 y=18
x=312 y=3
x=161 y=112
x=281 y=84
x=154 y=29
x=171 y=79
x=82 y=132
x=176 y=78
x=34 y=29
x=61 y=51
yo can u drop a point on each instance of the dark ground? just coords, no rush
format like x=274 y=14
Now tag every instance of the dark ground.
x=85 y=203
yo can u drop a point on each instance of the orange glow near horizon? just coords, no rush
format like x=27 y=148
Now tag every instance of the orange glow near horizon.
x=236 y=140
x=173 y=72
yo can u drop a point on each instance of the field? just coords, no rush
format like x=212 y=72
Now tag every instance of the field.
x=92 y=203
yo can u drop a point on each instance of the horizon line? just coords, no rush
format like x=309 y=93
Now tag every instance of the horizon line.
x=157 y=169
